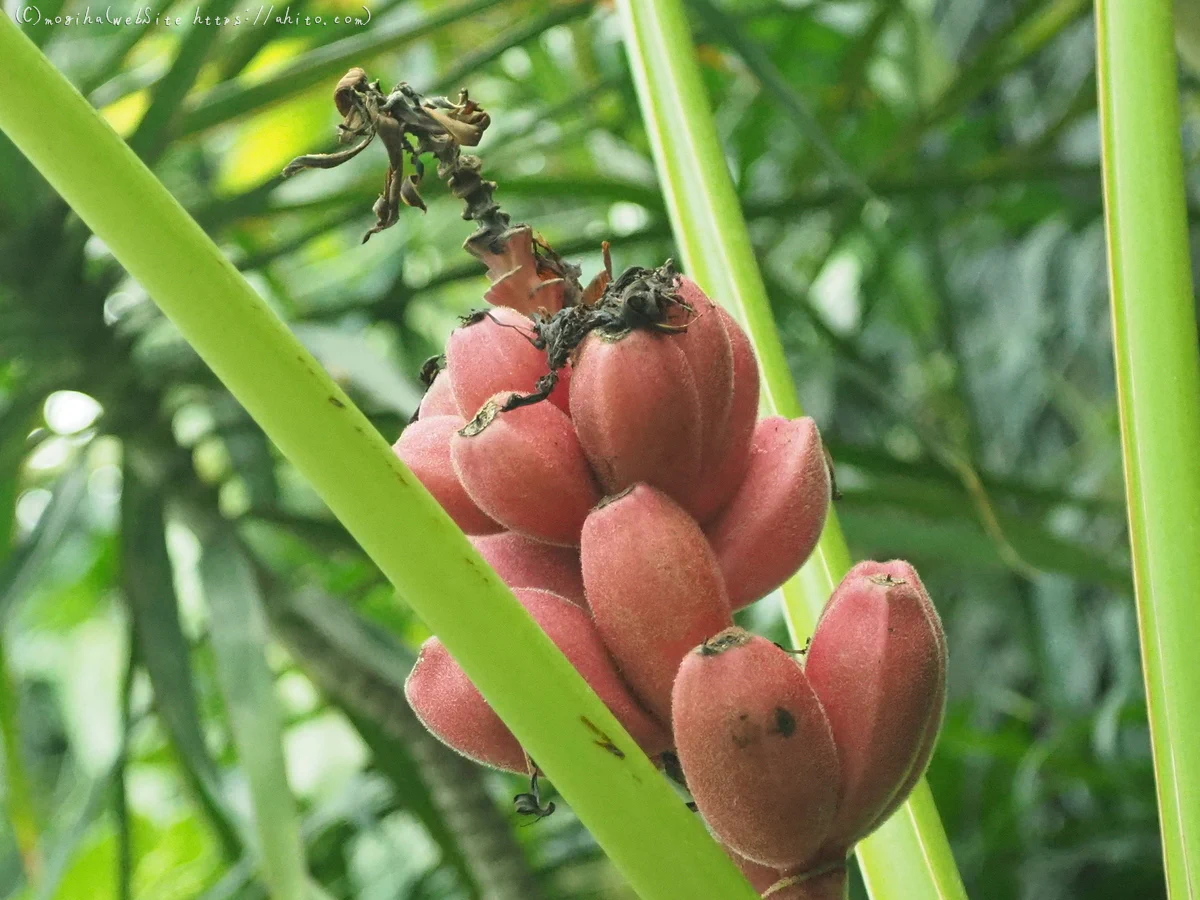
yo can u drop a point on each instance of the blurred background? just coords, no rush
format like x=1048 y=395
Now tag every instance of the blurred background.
x=921 y=179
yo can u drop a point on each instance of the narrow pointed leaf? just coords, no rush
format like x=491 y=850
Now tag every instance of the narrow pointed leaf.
x=328 y=63
x=150 y=137
x=22 y=565
x=122 y=44
x=727 y=29
x=238 y=631
x=147 y=581
x=68 y=830
x=512 y=37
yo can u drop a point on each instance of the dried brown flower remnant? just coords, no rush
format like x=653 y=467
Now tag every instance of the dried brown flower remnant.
x=638 y=299
x=526 y=273
x=411 y=125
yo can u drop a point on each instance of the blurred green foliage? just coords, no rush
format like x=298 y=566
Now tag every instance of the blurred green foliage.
x=922 y=184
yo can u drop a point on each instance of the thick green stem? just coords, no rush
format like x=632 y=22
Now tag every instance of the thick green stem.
x=909 y=857
x=1158 y=391
x=635 y=816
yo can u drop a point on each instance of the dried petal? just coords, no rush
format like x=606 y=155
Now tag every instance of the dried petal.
x=517 y=279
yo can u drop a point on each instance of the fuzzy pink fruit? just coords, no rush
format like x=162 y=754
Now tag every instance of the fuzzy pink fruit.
x=653 y=586
x=524 y=562
x=454 y=711
x=721 y=478
x=525 y=469
x=451 y=708
x=877 y=662
x=928 y=741
x=706 y=346
x=494 y=354
x=933 y=726
x=439 y=399
x=576 y=635
x=425 y=448
x=637 y=411
x=773 y=522
x=756 y=748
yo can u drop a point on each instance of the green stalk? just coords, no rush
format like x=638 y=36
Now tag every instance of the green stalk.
x=634 y=815
x=909 y=857
x=1158 y=393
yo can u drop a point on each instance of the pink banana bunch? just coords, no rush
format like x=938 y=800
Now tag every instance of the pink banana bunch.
x=791 y=764
x=633 y=512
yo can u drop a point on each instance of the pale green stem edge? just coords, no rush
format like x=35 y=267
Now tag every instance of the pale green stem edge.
x=238 y=632
x=660 y=847
x=909 y=857
x=1158 y=394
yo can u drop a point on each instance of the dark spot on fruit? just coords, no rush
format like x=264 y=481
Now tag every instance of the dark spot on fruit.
x=745 y=733
x=785 y=722
x=336 y=402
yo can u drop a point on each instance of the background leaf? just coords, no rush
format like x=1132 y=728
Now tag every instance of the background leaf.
x=164 y=651
x=237 y=628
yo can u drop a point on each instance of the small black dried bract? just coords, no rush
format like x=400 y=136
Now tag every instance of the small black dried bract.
x=430 y=369
x=530 y=804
